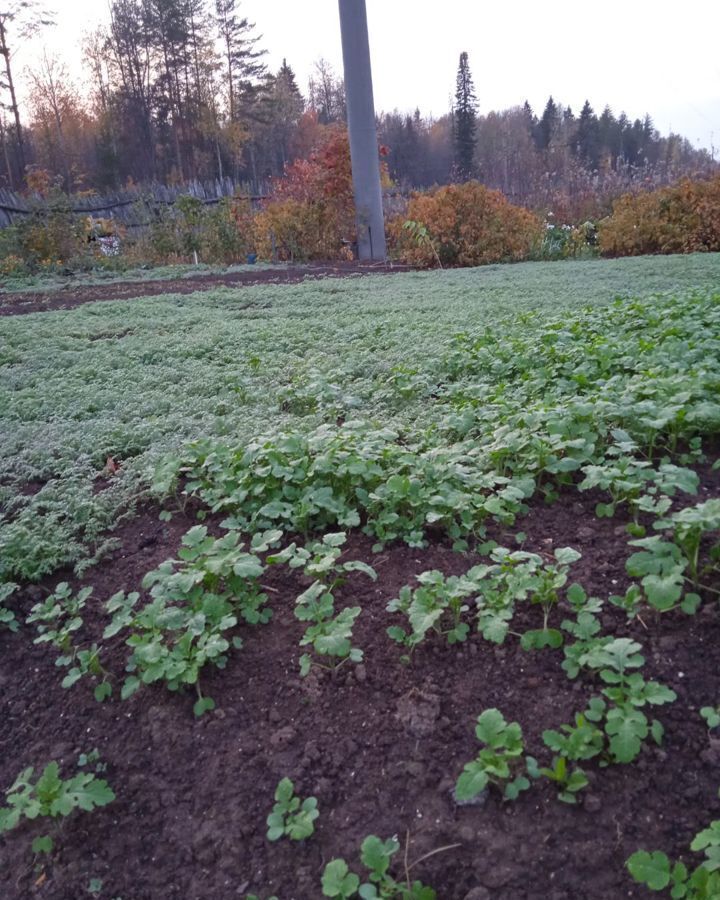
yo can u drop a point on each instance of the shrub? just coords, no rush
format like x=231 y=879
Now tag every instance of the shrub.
x=684 y=218
x=467 y=225
x=312 y=212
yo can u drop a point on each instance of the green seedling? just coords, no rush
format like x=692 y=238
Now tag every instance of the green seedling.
x=635 y=482
x=625 y=724
x=570 y=781
x=437 y=605
x=585 y=629
x=376 y=855
x=711 y=714
x=499 y=762
x=51 y=797
x=58 y=619
x=195 y=601
x=544 y=591
x=658 y=873
x=291 y=817
x=319 y=560
x=7 y=616
x=329 y=635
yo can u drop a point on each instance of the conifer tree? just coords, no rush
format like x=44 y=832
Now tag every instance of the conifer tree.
x=465 y=121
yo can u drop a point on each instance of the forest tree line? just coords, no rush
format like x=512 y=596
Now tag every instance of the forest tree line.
x=179 y=90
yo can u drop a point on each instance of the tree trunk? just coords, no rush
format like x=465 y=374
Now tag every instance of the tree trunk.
x=4 y=51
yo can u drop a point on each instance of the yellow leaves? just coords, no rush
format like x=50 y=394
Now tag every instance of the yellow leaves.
x=467 y=225
x=684 y=218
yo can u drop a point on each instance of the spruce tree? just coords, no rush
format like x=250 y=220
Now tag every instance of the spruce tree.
x=588 y=137
x=547 y=125
x=465 y=121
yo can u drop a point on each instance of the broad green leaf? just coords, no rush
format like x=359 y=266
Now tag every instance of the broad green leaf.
x=43 y=844
x=338 y=881
x=651 y=869
x=472 y=782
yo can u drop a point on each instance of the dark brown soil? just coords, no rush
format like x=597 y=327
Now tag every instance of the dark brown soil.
x=14 y=304
x=380 y=746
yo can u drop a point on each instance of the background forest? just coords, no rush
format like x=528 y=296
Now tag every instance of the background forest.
x=178 y=90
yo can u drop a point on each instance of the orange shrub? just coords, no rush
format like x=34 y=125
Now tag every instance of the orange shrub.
x=298 y=230
x=311 y=214
x=465 y=225
x=684 y=218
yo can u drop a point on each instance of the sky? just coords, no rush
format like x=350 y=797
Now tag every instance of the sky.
x=639 y=57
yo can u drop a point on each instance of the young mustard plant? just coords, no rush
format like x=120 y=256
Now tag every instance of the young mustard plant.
x=291 y=817
x=658 y=873
x=195 y=601
x=58 y=619
x=7 y=616
x=499 y=763
x=51 y=797
x=376 y=855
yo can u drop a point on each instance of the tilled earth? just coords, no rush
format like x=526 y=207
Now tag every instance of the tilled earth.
x=18 y=303
x=380 y=744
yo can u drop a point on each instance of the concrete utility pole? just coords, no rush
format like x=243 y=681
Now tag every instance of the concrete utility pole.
x=363 y=134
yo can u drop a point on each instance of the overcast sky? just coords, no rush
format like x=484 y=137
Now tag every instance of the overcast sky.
x=641 y=57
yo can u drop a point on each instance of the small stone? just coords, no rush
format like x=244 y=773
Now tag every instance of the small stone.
x=498 y=876
x=478 y=800
x=466 y=834
x=34 y=593
x=592 y=803
x=274 y=716
x=478 y=893
x=414 y=769
x=360 y=674
x=283 y=736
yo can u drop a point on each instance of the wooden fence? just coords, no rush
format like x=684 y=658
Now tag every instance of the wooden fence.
x=133 y=208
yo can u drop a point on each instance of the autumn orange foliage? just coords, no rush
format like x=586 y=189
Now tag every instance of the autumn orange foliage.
x=467 y=225
x=684 y=218
x=312 y=212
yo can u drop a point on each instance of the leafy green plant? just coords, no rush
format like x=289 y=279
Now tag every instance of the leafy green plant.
x=195 y=601
x=711 y=714
x=690 y=525
x=437 y=605
x=627 y=692
x=635 y=482
x=419 y=233
x=291 y=817
x=376 y=855
x=319 y=560
x=7 y=616
x=51 y=797
x=329 y=635
x=657 y=872
x=499 y=762
x=661 y=567
x=58 y=619
x=585 y=629
x=544 y=591
x=668 y=567
x=569 y=780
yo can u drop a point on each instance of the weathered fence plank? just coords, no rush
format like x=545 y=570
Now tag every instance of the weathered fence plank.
x=133 y=208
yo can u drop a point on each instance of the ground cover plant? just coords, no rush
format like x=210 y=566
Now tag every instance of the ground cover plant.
x=316 y=534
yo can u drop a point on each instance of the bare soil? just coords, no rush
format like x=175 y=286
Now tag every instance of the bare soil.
x=380 y=745
x=14 y=304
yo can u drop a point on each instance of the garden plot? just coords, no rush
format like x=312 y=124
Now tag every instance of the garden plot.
x=442 y=550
